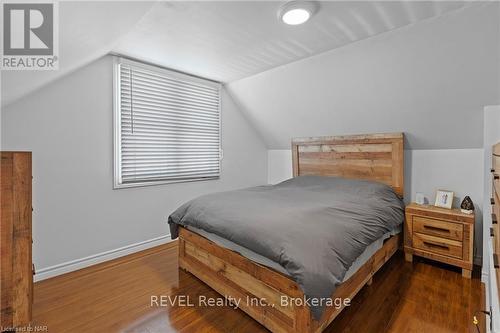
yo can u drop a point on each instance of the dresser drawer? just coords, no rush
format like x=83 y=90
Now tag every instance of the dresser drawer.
x=439 y=245
x=438 y=228
x=495 y=238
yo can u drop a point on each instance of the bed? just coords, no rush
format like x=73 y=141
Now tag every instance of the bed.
x=242 y=275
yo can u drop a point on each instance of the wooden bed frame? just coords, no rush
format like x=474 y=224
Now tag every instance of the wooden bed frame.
x=376 y=157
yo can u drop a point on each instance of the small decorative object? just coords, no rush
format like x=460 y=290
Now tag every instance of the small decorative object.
x=467 y=206
x=444 y=199
x=420 y=198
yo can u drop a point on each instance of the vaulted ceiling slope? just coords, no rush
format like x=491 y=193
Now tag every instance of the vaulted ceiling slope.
x=430 y=80
x=220 y=40
x=230 y=40
x=87 y=31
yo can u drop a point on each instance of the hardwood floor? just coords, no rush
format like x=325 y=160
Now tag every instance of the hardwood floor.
x=116 y=297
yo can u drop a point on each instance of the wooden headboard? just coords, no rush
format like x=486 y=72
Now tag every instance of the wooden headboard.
x=377 y=157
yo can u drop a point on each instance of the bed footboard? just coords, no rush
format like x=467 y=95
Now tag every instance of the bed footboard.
x=261 y=290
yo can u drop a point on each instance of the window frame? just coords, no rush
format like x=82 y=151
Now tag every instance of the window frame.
x=117 y=153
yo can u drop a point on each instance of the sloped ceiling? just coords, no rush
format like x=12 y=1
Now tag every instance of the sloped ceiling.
x=230 y=40
x=87 y=31
x=220 y=40
x=426 y=68
x=430 y=80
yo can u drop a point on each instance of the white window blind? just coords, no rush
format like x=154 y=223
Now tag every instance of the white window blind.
x=167 y=126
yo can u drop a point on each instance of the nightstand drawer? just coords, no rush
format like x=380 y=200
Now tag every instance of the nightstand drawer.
x=438 y=228
x=439 y=245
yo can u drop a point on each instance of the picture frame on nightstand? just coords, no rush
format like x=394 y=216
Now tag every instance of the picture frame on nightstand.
x=444 y=199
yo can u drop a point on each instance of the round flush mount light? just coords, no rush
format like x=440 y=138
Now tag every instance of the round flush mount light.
x=297 y=12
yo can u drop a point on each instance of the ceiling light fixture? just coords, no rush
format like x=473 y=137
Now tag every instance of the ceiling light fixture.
x=297 y=12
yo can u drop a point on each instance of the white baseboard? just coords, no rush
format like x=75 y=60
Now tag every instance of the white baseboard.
x=73 y=265
x=484 y=277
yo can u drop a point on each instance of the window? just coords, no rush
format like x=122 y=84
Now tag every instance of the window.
x=167 y=126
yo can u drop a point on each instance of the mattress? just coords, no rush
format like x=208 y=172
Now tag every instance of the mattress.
x=247 y=253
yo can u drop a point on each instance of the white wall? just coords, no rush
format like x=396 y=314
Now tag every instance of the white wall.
x=430 y=80
x=458 y=170
x=279 y=166
x=68 y=127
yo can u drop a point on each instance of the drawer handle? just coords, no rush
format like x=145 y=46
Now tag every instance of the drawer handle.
x=494 y=218
x=492 y=201
x=440 y=246
x=436 y=228
x=492 y=170
x=492 y=232
x=496 y=177
x=495 y=261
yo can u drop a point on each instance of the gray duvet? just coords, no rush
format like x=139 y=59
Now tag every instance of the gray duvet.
x=315 y=227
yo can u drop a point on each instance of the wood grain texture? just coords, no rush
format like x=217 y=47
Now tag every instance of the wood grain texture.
x=16 y=268
x=6 y=197
x=453 y=214
x=438 y=228
x=115 y=297
x=496 y=150
x=377 y=157
x=235 y=276
x=21 y=261
x=438 y=245
x=441 y=234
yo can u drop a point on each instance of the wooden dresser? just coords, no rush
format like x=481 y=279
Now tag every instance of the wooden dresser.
x=16 y=274
x=441 y=234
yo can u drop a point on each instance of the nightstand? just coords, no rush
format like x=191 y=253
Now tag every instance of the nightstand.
x=440 y=234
